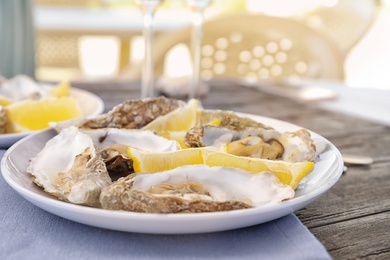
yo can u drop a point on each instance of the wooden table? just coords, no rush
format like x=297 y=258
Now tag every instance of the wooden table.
x=352 y=219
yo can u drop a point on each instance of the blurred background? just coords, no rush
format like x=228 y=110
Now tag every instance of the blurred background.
x=101 y=39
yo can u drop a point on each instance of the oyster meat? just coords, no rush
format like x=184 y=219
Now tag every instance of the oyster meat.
x=69 y=168
x=246 y=137
x=196 y=188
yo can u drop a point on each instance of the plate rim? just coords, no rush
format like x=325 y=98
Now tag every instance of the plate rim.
x=11 y=138
x=51 y=204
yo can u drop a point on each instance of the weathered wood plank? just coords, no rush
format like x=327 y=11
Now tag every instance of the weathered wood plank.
x=360 y=192
x=362 y=238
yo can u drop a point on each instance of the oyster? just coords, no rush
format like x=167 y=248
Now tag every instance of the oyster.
x=69 y=168
x=112 y=144
x=20 y=88
x=221 y=127
x=288 y=146
x=134 y=114
x=140 y=139
x=196 y=188
x=254 y=146
x=216 y=135
x=3 y=120
x=228 y=119
x=245 y=137
x=298 y=146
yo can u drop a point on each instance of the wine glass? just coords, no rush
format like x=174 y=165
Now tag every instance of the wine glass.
x=148 y=8
x=197 y=7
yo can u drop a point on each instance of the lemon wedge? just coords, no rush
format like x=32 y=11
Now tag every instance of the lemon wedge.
x=29 y=115
x=62 y=89
x=288 y=173
x=148 y=162
x=175 y=124
x=180 y=119
x=177 y=136
x=4 y=101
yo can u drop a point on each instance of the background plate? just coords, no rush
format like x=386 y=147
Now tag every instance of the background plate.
x=327 y=171
x=90 y=104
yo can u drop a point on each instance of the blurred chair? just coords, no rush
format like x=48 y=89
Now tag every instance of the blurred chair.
x=17 y=44
x=346 y=22
x=257 y=47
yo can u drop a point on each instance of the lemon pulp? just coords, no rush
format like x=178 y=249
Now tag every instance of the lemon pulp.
x=288 y=173
x=30 y=115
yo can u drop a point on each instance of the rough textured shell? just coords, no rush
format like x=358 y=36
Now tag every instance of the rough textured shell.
x=3 y=120
x=298 y=146
x=228 y=119
x=226 y=189
x=134 y=114
x=68 y=168
x=228 y=127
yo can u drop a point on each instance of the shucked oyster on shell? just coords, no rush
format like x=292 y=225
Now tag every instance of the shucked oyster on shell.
x=246 y=137
x=196 y=188
x=229 y=120
x=73 y=165
x=69 y=168
x=131 y=114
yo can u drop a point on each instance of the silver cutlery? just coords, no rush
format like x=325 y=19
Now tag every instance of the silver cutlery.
x=357 y=159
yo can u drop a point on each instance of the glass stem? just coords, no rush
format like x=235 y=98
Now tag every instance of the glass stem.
x=196 y=47
x=147 y=89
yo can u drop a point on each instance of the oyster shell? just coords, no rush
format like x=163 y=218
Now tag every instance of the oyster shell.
x=288 y=146
x=20 y=88
x=218 y=127
x=216 y=135
x=298 y=146
x=112 y=144
x=3 y=120
x=196 y=188
x=131 y=114
x=69 y=168
x=141 y=139
x=228 y=119
x=246 y=137
x=134 y=114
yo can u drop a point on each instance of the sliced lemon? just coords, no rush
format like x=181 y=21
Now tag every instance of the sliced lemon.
x=31 y=115
x=4 y=101
x=62 y=89
x=149 y=162
x=181 y=119
x=288 y=173
x=177 y=136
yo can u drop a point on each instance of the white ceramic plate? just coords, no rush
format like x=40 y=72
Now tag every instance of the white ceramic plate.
x=90 y=104
x=327 y=171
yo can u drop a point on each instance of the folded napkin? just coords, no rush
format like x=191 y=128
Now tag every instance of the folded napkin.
x=28 y=232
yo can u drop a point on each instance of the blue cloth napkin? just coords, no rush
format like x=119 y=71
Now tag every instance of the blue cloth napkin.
x=28 y=232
